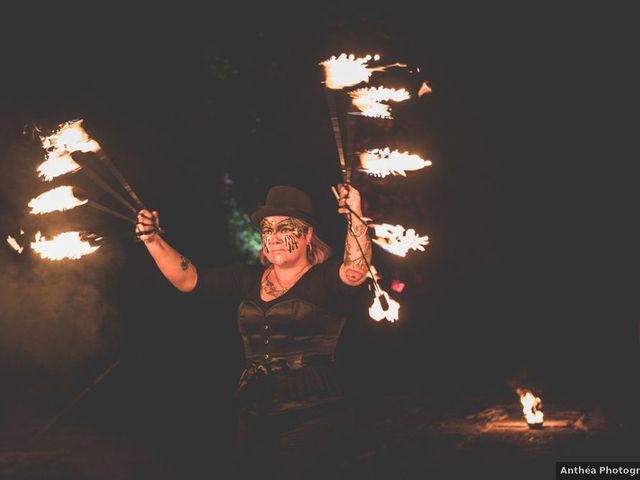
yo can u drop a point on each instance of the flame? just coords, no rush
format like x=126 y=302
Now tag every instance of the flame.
x=368 y=100
x=383 y=162
x=424 y=89
x=397 y=240
x=70 y=137
x=377 y=313
x=14 y=244
x=65 y=245
x=530 y=406
x=347 y=70
x=56 y=164
x=59 y=198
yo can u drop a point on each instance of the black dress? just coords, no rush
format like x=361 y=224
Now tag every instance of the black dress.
x=294 y=418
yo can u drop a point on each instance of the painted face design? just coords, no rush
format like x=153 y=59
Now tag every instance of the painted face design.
x=290 y=229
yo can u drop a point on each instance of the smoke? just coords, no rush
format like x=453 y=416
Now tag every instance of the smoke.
x=55 y=316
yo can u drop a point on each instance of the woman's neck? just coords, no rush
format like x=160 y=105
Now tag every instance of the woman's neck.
x=287 y=272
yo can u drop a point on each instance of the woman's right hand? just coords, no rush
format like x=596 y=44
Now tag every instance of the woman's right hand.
x=148 y=226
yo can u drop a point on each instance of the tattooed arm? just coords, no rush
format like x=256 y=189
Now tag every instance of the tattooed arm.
x=176 y=268
x=353 y=270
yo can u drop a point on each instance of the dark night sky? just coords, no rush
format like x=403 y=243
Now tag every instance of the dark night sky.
x=523 y=204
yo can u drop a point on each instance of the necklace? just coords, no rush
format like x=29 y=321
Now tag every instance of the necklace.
x=272 y=290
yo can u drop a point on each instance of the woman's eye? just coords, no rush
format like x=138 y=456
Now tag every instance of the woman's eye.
x=266 y=232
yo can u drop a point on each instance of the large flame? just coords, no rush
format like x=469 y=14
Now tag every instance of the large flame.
x=68 y=138
x=59 y=198
x=369 y=100
x=377 y=313
x=56 y=164
x=14 y=244
x=395 y=239
x=65 y=245
x=383 y=162
x=531 y=406
x=347 y=70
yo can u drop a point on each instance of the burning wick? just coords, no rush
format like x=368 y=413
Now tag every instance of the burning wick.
x=347 y=70
x=64 y=245
x=531 y=408
x=384 y=307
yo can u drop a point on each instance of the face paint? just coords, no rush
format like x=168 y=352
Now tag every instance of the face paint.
x=290 y=229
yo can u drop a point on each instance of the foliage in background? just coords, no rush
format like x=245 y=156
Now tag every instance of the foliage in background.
x=244 y=237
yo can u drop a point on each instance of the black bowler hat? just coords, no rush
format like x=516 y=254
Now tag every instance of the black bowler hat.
x=286 y=201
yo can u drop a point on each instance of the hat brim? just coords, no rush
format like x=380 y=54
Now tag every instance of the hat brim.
x=264 y=211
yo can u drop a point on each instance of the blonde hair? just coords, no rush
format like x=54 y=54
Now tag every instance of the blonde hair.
x=317 y=252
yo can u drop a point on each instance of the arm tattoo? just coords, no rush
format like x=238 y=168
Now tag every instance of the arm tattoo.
x=184 y=263
x=354 y=260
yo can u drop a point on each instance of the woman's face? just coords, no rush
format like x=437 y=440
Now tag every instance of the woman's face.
x=285 y=239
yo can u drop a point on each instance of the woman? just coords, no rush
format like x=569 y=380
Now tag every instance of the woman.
x=294 y=416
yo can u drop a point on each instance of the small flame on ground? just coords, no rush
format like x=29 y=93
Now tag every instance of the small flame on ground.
x=383 y=162
x=395 y=239
x=377 y=313
x=68 y=138
x=347 y=70
x=369 y=100
x=531 y=406
x=65 y=245
x=59 y=198
x=14 y=244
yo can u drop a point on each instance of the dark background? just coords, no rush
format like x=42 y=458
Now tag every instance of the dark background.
x=523 y=281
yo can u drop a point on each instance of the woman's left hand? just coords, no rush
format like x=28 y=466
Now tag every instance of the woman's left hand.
x=350 y=197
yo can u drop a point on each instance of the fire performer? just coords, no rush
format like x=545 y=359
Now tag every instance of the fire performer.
x=293 y=412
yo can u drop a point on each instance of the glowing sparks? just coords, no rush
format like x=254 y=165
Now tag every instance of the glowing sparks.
x=531 y=407
x=424 y=89
x=70 y=137
x=57 y=199
x=369 y=100
x=347 y=70
x=377 y=312
x=14 y=244
x=383 y=162
x=65 y=245
x=397 y=240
